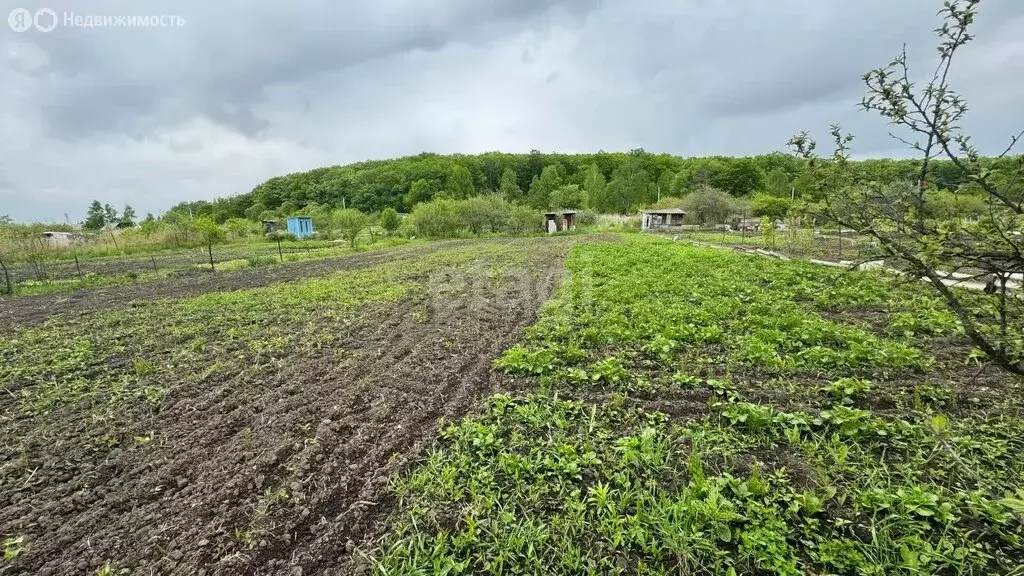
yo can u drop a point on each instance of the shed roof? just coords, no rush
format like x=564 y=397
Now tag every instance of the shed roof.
x=300 y=218
x=666 y=211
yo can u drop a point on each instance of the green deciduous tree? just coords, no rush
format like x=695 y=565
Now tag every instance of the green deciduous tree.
x=776 y=183
x=421 y=190
x=149 y=226
x=595 y=184
x=389 y=220
x=568 y=196
x=109 y=215
x=255 y=211
x=664 y=185
x=707 y=205
x=95 y=217
x=127 y=219
x=772 y=207
x=289 y=208
x=628 y=189
x=539 y=195
x=350 y=223
x=460 y=183
x=211 y=234
x=183 y=224
x=509 y=186
x=741 y=178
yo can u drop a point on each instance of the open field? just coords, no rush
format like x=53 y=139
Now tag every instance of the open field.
x=233 y=432
x=672 y=410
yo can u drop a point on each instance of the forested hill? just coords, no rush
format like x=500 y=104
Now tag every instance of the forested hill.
x=615 y=181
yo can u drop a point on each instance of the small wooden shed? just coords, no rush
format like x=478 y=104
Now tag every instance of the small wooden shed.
x=559 y=220
x=667 y=219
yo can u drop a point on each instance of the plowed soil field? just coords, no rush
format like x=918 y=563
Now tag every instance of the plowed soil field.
x=247 y=423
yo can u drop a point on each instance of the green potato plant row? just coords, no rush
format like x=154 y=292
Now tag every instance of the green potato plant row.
x=794 y=461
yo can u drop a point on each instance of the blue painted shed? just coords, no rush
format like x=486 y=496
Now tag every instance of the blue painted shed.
x=300 y=226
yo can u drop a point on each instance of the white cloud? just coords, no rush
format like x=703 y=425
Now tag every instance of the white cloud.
x=249 y=90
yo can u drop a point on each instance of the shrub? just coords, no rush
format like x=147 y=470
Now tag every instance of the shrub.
x=447 y=218
x=523 y=219
x=389 y=220
x=586 y=217
x=437 y=219
x=482 y=214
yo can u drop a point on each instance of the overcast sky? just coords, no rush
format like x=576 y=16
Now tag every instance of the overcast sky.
x=249 y=89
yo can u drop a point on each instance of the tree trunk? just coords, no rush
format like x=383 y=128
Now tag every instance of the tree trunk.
x=279 y=251
x=209 y=249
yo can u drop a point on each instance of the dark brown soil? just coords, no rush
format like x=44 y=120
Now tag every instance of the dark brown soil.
x=285 y=474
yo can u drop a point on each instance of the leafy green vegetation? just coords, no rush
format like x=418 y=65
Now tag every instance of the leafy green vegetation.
x=704 y=412
x=614 y=181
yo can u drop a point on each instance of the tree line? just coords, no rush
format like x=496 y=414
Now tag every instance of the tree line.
x=606 y=182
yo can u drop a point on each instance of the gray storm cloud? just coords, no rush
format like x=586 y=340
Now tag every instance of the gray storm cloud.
x=248 y=90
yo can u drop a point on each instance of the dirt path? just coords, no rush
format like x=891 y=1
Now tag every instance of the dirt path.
x=285 y=474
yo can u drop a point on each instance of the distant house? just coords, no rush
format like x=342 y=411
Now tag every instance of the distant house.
x=61 y=239
x=663 y=219
x=300 y=226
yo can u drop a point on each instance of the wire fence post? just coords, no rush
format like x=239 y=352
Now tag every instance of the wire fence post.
x=78 y=266
x=153 y=260
x=7 y=278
